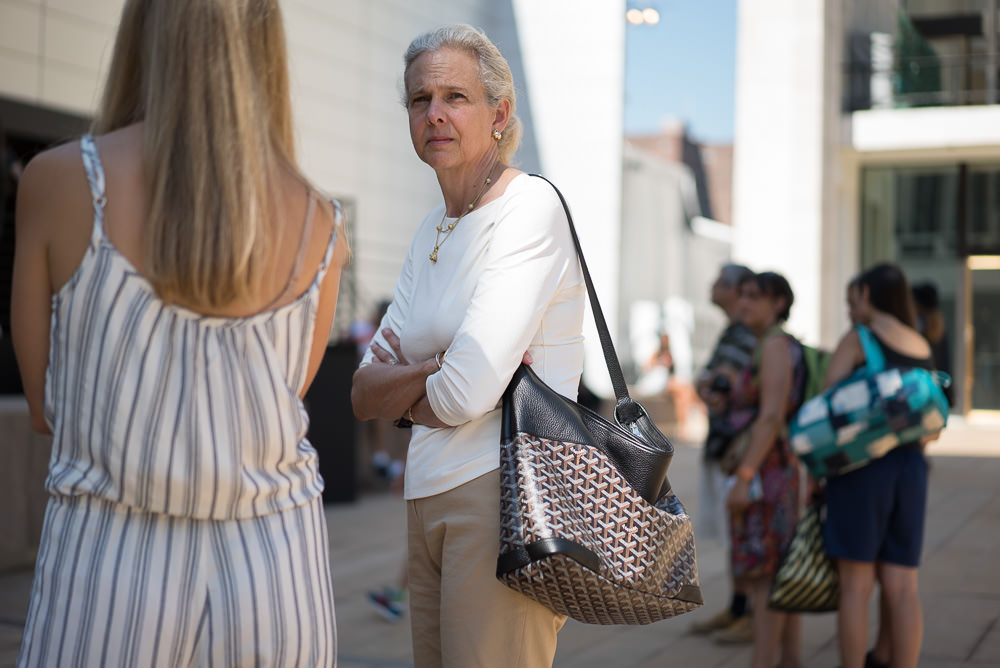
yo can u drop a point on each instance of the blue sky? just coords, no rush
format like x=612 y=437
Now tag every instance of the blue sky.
x=683 y=67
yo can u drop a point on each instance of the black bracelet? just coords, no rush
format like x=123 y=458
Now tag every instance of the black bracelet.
x=405 y=422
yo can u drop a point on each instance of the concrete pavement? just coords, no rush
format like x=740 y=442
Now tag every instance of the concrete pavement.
x=959 y=578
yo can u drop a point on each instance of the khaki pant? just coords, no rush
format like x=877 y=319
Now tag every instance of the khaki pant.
x=461 y=615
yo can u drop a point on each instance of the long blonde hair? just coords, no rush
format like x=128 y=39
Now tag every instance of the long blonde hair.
x=209 y=78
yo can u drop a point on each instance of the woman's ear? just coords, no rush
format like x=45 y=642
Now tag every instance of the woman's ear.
x=502 y=115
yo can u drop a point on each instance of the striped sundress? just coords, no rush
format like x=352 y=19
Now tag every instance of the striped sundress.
x=185 y=525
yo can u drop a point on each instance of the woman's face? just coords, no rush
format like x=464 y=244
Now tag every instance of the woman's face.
x=451 y=122
x=758 y=311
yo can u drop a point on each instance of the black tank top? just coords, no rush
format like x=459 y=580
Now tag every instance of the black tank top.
x=893 y=358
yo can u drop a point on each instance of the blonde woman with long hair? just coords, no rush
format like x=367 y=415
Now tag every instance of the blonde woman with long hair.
x=174 y=285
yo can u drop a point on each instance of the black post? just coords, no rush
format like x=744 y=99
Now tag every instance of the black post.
x=332 y=425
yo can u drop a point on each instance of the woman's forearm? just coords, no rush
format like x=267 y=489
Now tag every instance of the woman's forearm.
x=424 y=414
x=387 y=391
x=762 y=435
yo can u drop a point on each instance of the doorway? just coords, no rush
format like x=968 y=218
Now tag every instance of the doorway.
x=982 y=364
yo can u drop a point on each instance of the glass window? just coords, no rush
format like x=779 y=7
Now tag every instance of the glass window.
x=909 y=213
x=983 y=210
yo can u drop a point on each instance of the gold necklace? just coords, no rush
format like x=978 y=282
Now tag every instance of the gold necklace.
x=438 y=241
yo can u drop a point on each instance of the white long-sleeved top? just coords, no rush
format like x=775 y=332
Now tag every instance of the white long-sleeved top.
x=506 y=280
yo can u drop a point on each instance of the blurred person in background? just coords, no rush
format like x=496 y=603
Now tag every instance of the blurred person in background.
x=731 y=356
x=875 y=515
x=764 y=496
x=931 y=324
x=175 y=282
x=678 y=324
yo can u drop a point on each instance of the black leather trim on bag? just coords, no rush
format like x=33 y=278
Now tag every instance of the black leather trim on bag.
x=541 y=549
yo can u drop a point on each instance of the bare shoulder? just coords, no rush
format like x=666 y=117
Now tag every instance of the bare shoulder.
x=850 y=344
x=901 y=337
x=54 y=163
x=775 y=358
x=54 y=209
x=56 y=171
x=776 y=347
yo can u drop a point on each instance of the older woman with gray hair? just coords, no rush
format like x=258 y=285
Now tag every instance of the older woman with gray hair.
x=491 y=278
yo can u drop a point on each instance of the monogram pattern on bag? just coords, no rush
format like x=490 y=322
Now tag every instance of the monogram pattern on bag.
x=555 y=489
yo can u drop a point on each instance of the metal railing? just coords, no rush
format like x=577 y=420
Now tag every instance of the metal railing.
x=921 y=81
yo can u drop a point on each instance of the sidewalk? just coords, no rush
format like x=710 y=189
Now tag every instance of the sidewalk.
x=960 y=581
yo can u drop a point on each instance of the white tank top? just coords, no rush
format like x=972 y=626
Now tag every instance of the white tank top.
x=161 y=408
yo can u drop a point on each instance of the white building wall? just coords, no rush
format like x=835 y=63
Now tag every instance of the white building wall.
x=55 y=52
x=779 y=148
x=577 y=89
x=346 y=65
x=667 y=261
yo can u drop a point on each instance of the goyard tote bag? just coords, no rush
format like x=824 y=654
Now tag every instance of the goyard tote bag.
x=807 y=579
x=589 y=525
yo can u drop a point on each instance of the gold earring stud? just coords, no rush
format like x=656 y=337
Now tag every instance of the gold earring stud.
x=497 y=134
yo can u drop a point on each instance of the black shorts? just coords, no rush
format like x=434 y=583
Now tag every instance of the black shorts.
x=877 y=512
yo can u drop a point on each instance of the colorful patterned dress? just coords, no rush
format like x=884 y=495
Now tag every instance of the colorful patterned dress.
x=761 y=533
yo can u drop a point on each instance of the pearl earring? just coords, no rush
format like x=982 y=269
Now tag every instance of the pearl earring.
x=497 y=134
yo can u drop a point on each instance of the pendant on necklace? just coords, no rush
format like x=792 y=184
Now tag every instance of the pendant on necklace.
x=438 y=241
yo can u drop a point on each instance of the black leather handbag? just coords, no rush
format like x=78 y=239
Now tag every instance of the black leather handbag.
x=589 y=525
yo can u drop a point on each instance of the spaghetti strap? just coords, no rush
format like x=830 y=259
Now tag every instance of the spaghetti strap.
x=338 y=223
x=95 y=177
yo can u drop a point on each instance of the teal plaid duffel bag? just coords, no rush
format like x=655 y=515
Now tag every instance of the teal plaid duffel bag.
x=868 y=414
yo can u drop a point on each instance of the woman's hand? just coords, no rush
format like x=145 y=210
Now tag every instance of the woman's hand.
x=391 y=384
x=738 y=498
x=716 y=402
x=386 y=357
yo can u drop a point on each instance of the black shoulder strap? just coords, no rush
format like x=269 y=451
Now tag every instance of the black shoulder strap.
x=610 y=356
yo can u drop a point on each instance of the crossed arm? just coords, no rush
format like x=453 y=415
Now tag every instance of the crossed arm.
x=392 y=385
